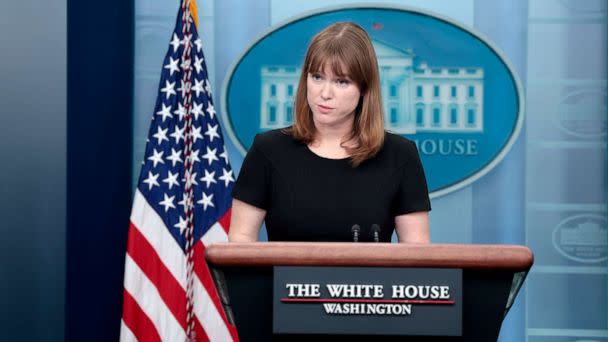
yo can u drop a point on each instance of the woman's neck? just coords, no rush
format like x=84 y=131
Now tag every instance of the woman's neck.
x=336 y=133
x=328 y=141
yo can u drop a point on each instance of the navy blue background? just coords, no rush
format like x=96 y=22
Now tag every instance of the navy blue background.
x=99 y=192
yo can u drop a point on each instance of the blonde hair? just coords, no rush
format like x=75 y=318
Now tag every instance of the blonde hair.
x=347 y=49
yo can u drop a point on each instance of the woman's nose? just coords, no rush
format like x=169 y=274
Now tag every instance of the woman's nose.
x=326 y=91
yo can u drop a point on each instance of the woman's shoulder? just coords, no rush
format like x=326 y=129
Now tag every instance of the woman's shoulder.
x=271 y=137
x=397 y=145
x=276 y=142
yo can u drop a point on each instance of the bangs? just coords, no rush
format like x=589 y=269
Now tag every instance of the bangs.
x=335 y=63
x=334 y=57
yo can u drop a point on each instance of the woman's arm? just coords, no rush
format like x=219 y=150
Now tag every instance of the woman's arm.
x=413 y=227
x=245 y=222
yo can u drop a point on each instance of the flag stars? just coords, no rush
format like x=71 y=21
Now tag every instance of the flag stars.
x=185 y=202
x=178 y=134
x=226 y=177
x=211 y=111
x=167 y=202
x=206 y=201
x=179 y=99
x=199 y=44
x=209 y=178
x=187 y=40
x=182 y=225
x=175 y=42
x=165 y=112
x=175 y=157
x=171 y=179
x=160 y=135
x=194 y=156
x=207 y=88
x=190 y=180
x=198 y=63
x=172 y=66
x=184 y=87
x=169 y=89
x=180 y=111
x=224 y=156
x=151 y=180
x=211 y=155
x=197 y=109
x=212 y=132
x=156 y=157
x=185 y=64
x=196 y=133
x=198 y=87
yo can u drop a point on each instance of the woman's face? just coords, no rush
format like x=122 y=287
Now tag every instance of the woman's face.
x=332 y=99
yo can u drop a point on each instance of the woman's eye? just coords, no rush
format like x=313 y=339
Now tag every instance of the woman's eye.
x=343 y=82
x=315 y=77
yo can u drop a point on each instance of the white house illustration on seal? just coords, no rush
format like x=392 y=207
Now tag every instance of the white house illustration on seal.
x=585 y=234
x=415 y=98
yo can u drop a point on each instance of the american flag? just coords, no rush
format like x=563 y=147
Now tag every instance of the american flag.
x=181 y=204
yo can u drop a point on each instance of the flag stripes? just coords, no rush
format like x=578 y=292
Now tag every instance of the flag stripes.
x=146 y=295
x=157 y=263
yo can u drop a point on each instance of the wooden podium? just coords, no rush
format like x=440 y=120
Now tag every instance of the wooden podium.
x=491 y=277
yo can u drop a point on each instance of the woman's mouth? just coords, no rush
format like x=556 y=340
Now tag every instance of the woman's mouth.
x=324 y=109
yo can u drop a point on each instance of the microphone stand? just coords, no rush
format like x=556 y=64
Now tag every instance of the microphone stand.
x=355 y=230
x=376 y=232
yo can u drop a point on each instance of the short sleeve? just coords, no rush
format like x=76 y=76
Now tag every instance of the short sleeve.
x=412 y=192
x=253 y=183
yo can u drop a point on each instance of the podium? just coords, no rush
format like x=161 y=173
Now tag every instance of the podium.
x=491 y=276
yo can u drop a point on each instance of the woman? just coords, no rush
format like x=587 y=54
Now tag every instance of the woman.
x=335 y=167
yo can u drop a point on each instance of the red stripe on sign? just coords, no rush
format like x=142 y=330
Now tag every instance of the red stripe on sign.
x=136 y=319
x=225 y=220
x=202 y=271
x=169 y=289
x=369 y=301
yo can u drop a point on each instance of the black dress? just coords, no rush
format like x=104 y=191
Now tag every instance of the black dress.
x=311 y=198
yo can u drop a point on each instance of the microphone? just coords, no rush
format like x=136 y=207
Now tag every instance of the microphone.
x=376 y=232
x=355 y=230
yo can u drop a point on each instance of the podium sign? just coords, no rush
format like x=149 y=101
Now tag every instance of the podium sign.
x=367 y=301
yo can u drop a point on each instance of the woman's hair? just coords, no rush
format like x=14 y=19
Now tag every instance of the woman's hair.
x=347 y=49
